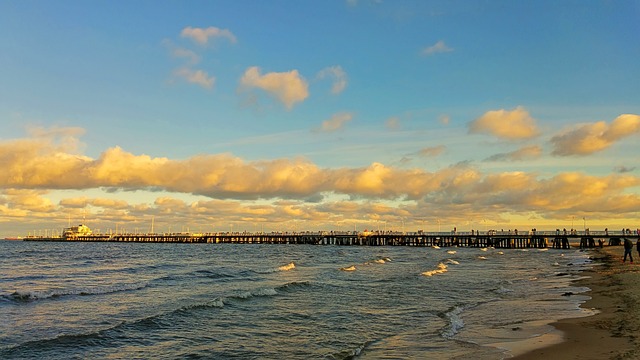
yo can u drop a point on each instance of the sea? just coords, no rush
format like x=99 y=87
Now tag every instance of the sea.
x=247 y=301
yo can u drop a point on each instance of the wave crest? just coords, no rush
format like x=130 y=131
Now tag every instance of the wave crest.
x=440 y=269
x=29 y=296
x=287 y=267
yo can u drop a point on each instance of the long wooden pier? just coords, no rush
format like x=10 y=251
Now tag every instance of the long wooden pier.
x=490 y=239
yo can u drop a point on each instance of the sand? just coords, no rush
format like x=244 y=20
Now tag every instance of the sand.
x=610 y=334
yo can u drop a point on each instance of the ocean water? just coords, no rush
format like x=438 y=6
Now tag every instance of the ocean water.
x=248 y=301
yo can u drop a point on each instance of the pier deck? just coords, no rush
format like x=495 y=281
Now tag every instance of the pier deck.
x=497 y=240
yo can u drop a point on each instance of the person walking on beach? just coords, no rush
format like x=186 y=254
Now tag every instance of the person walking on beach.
x=638 y=246
x=628 y=249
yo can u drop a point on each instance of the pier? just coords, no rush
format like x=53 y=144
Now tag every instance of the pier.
x=494 y=239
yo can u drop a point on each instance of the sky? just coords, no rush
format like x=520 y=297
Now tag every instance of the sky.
x=252 y=115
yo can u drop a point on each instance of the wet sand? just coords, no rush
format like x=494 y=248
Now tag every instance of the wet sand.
x=614 y=332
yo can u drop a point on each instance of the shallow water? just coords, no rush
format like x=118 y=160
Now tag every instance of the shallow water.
x=223 y=301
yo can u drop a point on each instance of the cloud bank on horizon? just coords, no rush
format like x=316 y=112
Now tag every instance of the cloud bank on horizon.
x=362 y=124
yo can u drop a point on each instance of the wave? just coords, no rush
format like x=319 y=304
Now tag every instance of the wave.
x=148 y=324
x=256 y=293
x=350 y=353
x=294 y=285
x=379 y=260
x=454 y=262
x=29 y=296
x=454 y=320
x=440 y=269
x=215 y=303
x=287 y=267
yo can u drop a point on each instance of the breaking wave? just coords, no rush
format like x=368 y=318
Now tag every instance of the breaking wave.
x=440 y=269
x=287 y=267
x=455 y=323
x=20 y=296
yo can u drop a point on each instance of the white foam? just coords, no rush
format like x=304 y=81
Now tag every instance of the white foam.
x=265 y=292
x=451 y=261
x=452 y=252
x=455 y=322
x=349 y=268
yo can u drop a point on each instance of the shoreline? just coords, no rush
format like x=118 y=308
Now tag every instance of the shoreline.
x=611 y=332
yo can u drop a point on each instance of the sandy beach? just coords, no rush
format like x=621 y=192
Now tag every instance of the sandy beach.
x=613 y=332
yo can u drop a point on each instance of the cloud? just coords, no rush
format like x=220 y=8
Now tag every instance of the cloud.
x=29 y=200
x=336 y=122
x=590 y=138
x=438 y=47
x=432 y=151
x=202 y=35
x=524 y=153
x=624 y=169
x=186 y=53
x=198 y=77
x=83 y=202
x=288 y=87
x=339 y=78
x=270 y=190
x=393 y=123
x=509 y=125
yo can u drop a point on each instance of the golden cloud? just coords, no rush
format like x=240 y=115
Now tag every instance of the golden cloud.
x=282 y=186
x=336 y=122
x=198 y=77
x=590 y=138
x=509 y=125
x=288 y=87
x=524 y=153
x=202 y=35
x=432 y=151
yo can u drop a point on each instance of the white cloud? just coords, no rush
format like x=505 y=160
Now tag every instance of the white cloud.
x=438 y=47
x=339 y=78
x=288 y=87
x=202 y=35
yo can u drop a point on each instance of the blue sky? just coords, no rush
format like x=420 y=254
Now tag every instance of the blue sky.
x=333 y=114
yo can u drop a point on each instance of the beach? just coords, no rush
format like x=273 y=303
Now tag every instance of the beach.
x=613 y=332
